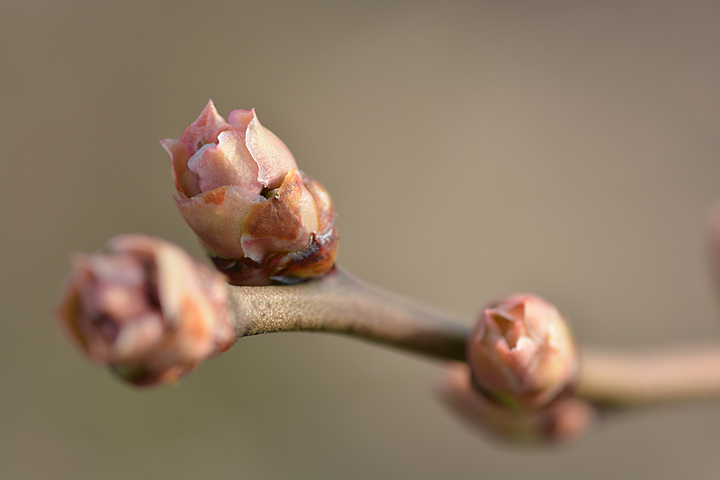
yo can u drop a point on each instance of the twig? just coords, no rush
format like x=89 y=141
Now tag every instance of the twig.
x=339 y=303
x=663 y=375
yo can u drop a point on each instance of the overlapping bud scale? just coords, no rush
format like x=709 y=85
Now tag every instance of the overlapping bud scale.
x=261 y=219
x=145 y=308
x=522 y=352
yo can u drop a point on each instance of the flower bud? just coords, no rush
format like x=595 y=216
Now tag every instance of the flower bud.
x=145 y=308
x=521 y=352
x=261 y=219
x=562 y=421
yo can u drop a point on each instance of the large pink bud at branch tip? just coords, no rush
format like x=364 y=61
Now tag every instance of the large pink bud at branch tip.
x=261 y=219
x=521 y=352
x=145 y=308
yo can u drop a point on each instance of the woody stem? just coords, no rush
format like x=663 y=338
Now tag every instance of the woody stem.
x=340 y=303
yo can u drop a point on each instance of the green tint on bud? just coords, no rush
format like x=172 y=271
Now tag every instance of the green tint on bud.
x=261 y=219
x=562 y=421
x=145 y=308
x=521 y=352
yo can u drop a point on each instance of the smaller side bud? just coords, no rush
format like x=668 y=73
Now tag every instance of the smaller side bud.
x=563 y=421
x=146 y=309
x=521 y=352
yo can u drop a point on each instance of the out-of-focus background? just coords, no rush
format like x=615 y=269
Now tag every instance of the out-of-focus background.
x=473 y=148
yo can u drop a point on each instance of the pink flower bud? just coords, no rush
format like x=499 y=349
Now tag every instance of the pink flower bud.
x=521 y=352
x=145 y=308
x=563 y=420
x=261 y=219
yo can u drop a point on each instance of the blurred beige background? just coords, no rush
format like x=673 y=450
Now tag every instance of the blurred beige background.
x=472 y=149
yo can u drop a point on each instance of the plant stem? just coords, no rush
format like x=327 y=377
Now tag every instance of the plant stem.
x=663 y=375
x=339 y=303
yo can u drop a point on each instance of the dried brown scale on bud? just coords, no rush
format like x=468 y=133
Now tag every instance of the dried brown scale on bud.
x=146 y=309
x=521 y=352
x=261 y=220
x=316 y=259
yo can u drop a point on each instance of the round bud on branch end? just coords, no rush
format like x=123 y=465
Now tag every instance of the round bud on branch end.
x=146 y=309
